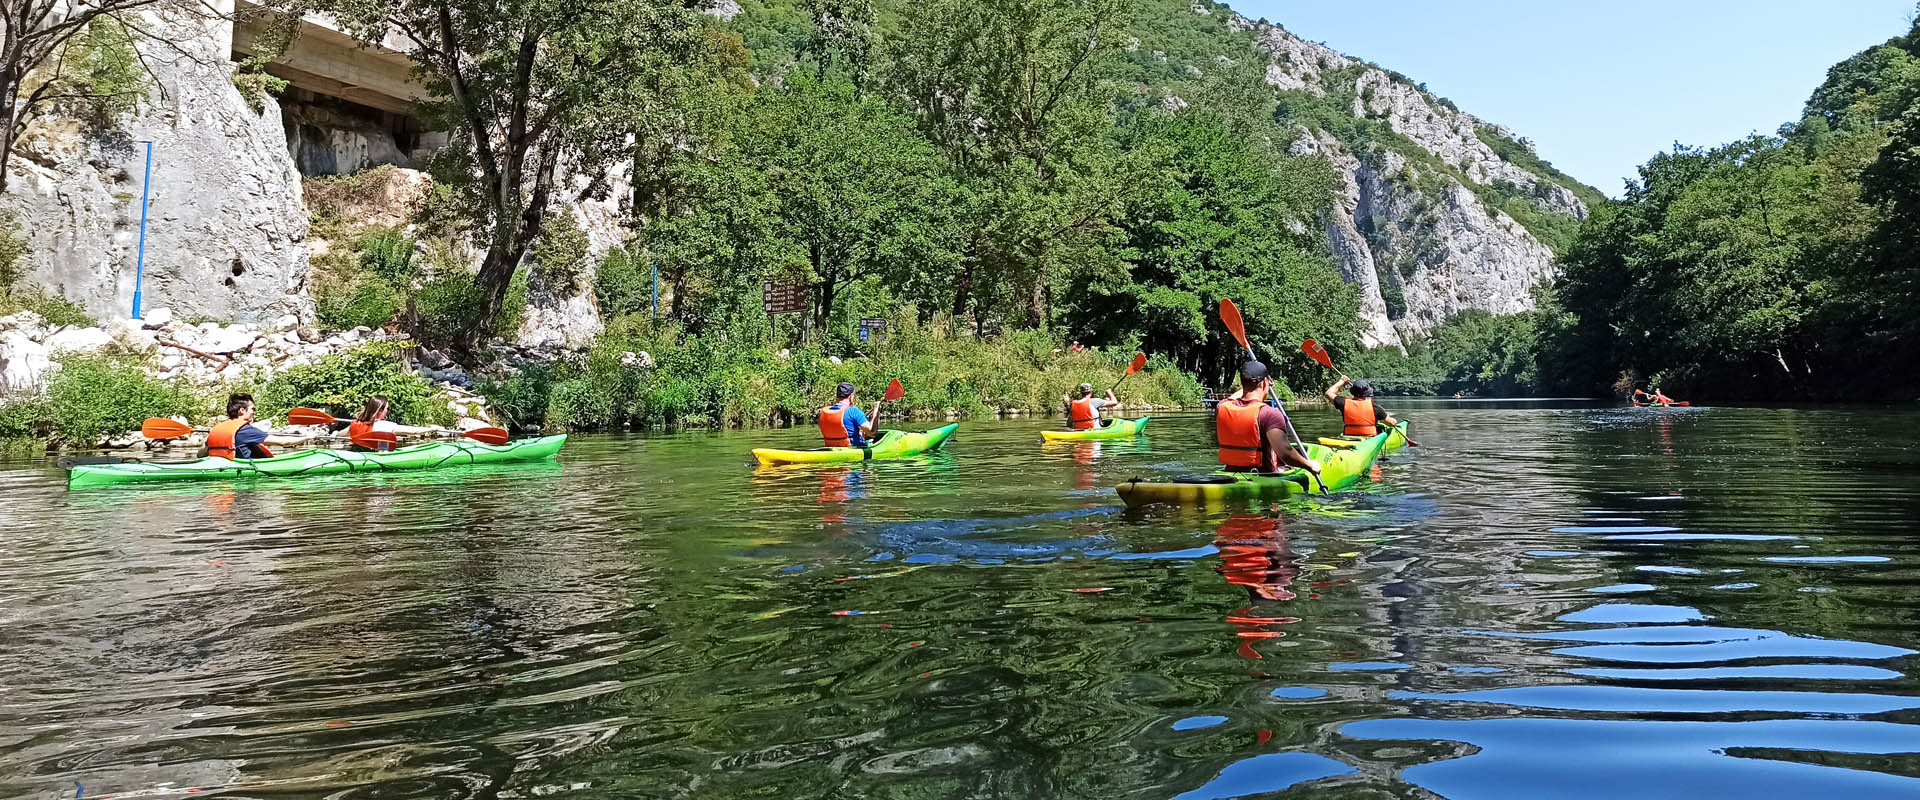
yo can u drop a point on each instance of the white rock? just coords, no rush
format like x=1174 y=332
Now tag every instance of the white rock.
x=32 y=325
x=156 y=318
x=286 y=323
x=170 y=361
x=23 y=363
x=833 y=359
x=79 y=340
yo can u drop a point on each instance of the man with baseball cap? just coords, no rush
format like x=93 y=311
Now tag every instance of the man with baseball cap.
x=843 y=424
x=1358 y=413
x=1252 y=434
x=1083 y=409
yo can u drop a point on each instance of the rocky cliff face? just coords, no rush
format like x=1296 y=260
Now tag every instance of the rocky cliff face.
x=226 y=235
x=1415 y=224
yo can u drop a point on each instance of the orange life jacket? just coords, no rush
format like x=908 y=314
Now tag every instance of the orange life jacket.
x=833 y=427
x=1237 y=427
x=357 y=429
x=220 y=441
x=1080 y=413
x=1359 y=415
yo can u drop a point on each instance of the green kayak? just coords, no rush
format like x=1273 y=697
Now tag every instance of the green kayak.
x=1339 y=467
x=315 y=462
x=892 y=444
x=1114 y=429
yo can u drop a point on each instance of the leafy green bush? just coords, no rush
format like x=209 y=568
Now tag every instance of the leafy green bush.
x=94 y=396
x=340 y=383
x=55 y=309
x=560 y=255
x=735 y=381
x=450 y=303
x=388 y=253
x=23 y=418
x=366 y=300
x=623 y=284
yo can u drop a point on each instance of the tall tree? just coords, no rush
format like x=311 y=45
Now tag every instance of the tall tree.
x=527 y=89
x=50 y=51
x=1011 y=93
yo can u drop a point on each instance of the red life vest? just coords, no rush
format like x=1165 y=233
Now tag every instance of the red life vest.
x=220 y=441
x=1359 y=416
x=358 y=429
x=1237 y=427
x=1080 y=413
x=833 y=427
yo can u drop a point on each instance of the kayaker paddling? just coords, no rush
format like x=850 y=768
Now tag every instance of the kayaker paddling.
x=843 y=424
x=1252 y=434
x=1359 y=415
x=373 y=419
x=1083 y=409
x=238 y=438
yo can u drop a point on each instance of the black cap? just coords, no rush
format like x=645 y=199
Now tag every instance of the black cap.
x=846 y=389
x=1362 y=388
x=1253 y=371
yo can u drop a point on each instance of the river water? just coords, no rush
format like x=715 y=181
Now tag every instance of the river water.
x=1544 y=600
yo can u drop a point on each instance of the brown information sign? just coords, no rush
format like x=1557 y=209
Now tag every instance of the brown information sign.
x=785 y=298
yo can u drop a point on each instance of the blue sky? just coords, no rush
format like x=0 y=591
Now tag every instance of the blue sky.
x=1601 y=86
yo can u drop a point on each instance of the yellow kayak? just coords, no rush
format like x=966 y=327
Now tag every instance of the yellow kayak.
x=1394 y=442
x=892 y=444
x=1340 y=468
x=1116 y=429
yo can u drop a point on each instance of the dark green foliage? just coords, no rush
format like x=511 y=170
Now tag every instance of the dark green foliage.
x=387 y=253
x=340 y=383
x=363 y=299
x=96 y=396
x=450 y=303
x=623 y=284
x=368 y=287
x=718 y=380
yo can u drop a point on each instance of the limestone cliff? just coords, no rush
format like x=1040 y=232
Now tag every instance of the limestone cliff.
x=1424 y=222
x=226 y=235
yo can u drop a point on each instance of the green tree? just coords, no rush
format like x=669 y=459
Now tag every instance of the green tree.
x=1012 y=93
x=526 y=89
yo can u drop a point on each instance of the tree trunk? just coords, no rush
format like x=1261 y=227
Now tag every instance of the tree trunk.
x=9 y=106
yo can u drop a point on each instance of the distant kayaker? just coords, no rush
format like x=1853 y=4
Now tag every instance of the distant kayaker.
x=1252 y=434
x=843 y=424
x=373 y=419
x=1661 y=399
x=1083 y=409
x=239 y=438
x=1359 y=415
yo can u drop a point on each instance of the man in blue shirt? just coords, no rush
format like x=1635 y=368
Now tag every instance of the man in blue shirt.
x=843 y=424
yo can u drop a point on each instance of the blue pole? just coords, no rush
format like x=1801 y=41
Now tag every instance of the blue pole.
x=140 y=261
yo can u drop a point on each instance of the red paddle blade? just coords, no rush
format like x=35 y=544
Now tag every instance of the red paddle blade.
x=494 y=436
x=1317 y=353
x=310 y=416
x=1139 y=363
x=894 y=391
x=160 y=428
x=1230 y=316
x=376 y=440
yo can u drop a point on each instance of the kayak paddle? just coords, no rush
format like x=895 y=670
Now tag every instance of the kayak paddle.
x=1139 y=362
x=162 y=428
x=314 y=416
x=1316 y=352
x=1230 y=316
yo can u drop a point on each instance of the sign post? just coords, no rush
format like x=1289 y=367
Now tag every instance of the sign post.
x=784 y=298
x=871 y=327
x=140 y=261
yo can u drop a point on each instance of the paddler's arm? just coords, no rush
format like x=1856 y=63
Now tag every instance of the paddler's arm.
x=1285 y=455
x=1333 y=392
x=284 y=440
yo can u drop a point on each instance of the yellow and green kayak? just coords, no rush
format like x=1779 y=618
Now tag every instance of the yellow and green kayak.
x=1397 y=441
x=315 y=462
x=892 y=444
x=1339 y=467
x=1114 y=429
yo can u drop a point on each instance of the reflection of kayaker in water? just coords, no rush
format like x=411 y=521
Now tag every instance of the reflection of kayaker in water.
x=1252 y=435
x=843 y=424
x=1254 y=556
